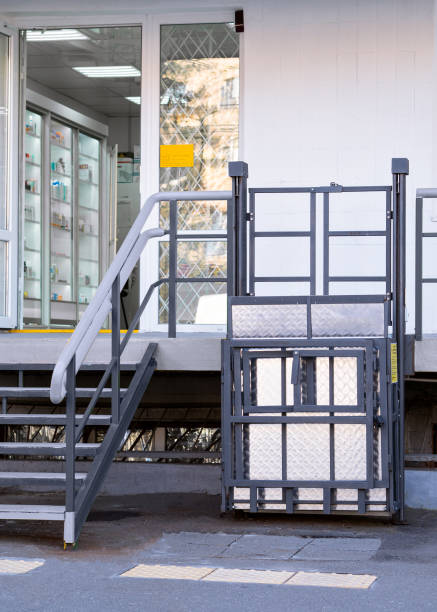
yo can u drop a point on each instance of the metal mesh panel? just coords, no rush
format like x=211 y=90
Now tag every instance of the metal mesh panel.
x=336 y=320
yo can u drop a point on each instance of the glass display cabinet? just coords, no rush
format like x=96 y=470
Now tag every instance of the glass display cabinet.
x=32 y=255
x=88 y=218
x=62 y=248
x=61 y=222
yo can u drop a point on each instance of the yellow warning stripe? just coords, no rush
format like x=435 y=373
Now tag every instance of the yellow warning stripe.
x=59 y=331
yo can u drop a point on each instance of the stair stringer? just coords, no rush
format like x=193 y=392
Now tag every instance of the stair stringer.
x=109 y=447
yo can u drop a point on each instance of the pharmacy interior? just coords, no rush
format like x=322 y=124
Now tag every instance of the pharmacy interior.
x=81 y=161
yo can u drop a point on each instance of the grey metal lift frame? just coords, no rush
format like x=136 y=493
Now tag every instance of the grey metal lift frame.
x=384 y=400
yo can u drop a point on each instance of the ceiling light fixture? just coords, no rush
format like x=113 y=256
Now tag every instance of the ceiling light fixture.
x=54 y=35
x=109 y=72
x=134 y=99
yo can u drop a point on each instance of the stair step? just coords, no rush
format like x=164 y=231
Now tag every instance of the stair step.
x=36 y=513
x=9 y=478
x=44 y=392
x=51 y=419
x=54 y=449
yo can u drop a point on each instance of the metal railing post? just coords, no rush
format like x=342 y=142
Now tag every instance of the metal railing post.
x=400 y=169
x=239 y=172
x=172 y=269
x=419 y=267
x=115 y=346
x=70 y=437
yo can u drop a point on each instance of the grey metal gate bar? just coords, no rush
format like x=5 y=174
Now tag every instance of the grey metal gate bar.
x=254 y=234
x=421 y=194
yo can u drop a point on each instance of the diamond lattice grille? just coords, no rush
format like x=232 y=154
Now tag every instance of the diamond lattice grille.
x=199 y=105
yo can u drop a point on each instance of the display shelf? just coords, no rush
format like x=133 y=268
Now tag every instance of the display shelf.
x=60 y=174
x=84 y=182
x=31 y=163
x=32 y=135
x=35 y=193
x=61 y=229
x=96 y=210
x=67 y=202
x=32 y=279
x=96 y=159
x=88 y=259
x=62 y=301
x=61 y=255
x=32 y=250
x=54 y=143
x=27 y=220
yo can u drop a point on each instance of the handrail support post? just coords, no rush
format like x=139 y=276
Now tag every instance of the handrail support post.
x=172 y=269
x=115 y=346
x=70 y=437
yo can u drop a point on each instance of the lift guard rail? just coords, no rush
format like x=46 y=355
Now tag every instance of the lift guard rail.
x=421 y=194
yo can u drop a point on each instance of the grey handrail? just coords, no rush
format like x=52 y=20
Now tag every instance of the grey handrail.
x=123 y=264
x=426 y=192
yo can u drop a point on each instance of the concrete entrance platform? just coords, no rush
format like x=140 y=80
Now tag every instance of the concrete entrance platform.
x=189 y=352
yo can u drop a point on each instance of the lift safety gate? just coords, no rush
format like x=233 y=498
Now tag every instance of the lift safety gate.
x=312 y=408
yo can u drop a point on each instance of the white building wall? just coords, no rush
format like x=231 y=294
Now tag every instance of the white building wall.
x=331 y=89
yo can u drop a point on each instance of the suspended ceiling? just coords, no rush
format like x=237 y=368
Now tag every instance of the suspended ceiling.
x=51 y=65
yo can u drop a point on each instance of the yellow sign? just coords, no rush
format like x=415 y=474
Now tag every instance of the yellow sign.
x=176 y=156
x=394 y=362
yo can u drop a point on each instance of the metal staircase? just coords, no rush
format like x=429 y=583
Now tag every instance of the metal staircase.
x=81 y=489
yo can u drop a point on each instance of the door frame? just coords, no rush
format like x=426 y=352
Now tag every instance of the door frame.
x=11 y=235
x=149 y=114
x=150 y=128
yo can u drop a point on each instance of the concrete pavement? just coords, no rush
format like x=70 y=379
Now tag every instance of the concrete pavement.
x=186 y=531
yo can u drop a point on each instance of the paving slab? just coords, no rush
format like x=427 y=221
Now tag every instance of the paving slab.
x=189 y=545
x=258 y=546
x=339 y=549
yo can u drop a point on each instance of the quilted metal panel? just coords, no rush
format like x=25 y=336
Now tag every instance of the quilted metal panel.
x=306 y=494
x=350 y=452
x=345 y=381
x=268 y=382
x=346 y=495
x=265 y=454
x=338 y=320
x=308 y=451
x=272 y=321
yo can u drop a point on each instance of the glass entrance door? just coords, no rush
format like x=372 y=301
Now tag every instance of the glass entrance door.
x=8 y=176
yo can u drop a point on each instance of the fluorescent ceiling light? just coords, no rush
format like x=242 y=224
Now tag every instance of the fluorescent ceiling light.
x=54 y=35
x=134 y=99
x=99 y=72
